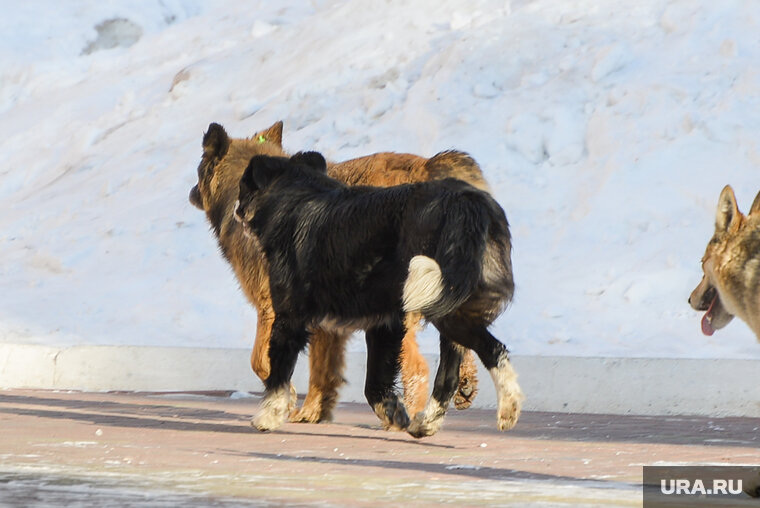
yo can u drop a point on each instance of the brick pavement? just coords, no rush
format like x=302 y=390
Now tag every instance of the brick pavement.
x=138 y=449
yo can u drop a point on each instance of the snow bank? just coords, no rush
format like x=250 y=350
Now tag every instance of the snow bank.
x=606 y=129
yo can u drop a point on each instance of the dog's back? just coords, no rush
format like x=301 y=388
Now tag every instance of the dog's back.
x=358 y=253
x=389 y=168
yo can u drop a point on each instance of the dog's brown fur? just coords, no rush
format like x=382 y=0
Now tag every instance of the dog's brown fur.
x=216 y=193
x=730 y=284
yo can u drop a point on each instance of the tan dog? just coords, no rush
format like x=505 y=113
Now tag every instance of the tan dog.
x=731 y=265
x=222 y=165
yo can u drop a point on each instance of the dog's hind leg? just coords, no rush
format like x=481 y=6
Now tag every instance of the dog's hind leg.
x=468 y=381
x=415 y=372
x=326 y=364
x=495 y=358
x=429 y=421
x=288 y=338
x=508 y=392
x=509 y=396
x=383 y=350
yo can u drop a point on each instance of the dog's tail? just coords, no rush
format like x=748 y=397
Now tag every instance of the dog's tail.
x=456 y=164
x=473 y=255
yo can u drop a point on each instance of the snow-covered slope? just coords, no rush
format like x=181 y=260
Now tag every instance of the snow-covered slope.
x=606 y=129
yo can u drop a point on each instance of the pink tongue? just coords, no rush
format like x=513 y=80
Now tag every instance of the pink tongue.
x=707 y=328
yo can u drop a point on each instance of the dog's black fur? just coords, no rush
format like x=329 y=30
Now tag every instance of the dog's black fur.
x=342 y=255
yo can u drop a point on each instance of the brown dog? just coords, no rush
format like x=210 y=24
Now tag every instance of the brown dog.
x=730 y=284
x=223 y=162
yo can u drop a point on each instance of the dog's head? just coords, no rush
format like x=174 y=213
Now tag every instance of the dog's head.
x=224 y=160
x=716 y=292
x=263 y=171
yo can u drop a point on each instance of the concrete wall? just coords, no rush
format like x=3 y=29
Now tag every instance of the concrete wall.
x=565 y=384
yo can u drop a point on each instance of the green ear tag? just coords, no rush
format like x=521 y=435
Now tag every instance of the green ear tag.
x=261 y=138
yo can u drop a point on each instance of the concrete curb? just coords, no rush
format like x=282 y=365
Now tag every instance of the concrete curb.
x=645 y=386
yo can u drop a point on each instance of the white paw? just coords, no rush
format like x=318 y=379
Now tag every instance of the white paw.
x=273 y=410
x=429 y=421
x=509 y=394
x=509 y=413
x=266 y=420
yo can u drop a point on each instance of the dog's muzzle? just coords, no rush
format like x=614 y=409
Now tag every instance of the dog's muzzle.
x=195 y=197
x=703 y=300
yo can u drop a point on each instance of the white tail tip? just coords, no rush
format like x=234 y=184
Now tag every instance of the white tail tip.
x=423 y=285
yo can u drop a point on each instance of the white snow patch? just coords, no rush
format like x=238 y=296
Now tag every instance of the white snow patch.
x=605 y=129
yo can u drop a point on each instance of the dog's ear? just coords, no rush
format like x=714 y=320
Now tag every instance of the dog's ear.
x=728 y=213
x=247 y=182
x=755 y=205
x=273 y=134
x=215 y=141
x=262 y=170
x=312 y=159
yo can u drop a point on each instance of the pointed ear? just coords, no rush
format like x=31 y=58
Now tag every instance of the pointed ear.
x=755 y=205
x=728 y=212
x=312 y=159
x=215 y=141
x=247 y=182
x=262 y=170
x=273 y=134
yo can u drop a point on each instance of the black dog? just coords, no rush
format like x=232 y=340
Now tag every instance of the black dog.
x=363 y=257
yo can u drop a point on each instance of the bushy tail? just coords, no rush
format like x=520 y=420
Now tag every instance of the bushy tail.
x=455 y=164
x=439 y=285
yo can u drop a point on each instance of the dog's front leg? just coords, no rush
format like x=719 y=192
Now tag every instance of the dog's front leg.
x=289 y=337
x=383 y=350
x=260 y=353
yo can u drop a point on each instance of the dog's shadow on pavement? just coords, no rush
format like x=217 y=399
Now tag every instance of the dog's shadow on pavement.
x=243 y=427
x=475 y=472
x=380 y=435
x=117 y=414
x=129 y=421
x=177 y=418
x=739 y=432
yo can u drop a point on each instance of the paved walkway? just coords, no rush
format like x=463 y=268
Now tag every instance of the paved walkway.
x=127 y=449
